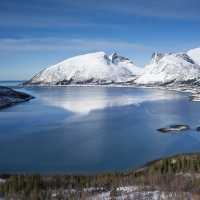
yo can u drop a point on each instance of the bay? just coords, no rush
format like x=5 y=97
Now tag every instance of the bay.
x=94 y=129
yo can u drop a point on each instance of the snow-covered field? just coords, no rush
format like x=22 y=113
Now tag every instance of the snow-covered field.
x=2 y=180
x=123 y=193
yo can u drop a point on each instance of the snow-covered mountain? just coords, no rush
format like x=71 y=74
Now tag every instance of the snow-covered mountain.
x=181 y=68
x=99 y=69
x=93 y=68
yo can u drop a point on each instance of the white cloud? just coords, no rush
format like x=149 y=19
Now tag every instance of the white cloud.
x=9 y=45
x=30 y=21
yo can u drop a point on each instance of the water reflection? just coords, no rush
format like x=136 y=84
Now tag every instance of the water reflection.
x=82 y=101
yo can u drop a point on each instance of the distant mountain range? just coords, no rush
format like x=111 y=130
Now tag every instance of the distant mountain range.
x=99 y=69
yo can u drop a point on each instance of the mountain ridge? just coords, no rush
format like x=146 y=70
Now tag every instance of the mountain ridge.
x=99 y=69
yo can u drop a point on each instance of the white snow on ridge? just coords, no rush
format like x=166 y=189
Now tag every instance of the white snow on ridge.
x=127 y=64
x=89 y=68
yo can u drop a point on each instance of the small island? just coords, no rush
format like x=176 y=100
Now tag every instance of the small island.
x=174 y=128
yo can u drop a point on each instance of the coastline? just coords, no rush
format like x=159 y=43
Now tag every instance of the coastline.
x=148 y=164
x=10 y=97
x=193 y=92
x=144 y=167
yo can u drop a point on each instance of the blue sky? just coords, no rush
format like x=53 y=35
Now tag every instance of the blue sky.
x=35 y=34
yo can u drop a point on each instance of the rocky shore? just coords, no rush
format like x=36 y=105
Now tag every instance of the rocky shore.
x=8 y=97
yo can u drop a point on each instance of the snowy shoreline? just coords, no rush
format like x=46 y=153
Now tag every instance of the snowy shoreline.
x=193 y=92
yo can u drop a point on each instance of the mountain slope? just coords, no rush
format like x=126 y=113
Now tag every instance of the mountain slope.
x=94 y=68
x=170 y=69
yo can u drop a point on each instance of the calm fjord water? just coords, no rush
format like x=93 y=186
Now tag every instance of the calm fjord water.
x=94 y=129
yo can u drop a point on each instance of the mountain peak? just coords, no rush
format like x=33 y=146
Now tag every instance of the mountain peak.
x=155 y=58
x=113 y=57
x=126 y=64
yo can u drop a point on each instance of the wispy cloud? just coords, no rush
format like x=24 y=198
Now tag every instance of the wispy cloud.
x=9 y=45
x=90 y=13
x=29 y=21
x=170 y=9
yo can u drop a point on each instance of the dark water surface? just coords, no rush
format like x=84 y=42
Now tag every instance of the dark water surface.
x=94 y=129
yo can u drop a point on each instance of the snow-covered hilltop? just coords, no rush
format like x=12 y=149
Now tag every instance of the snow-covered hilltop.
x=8 y=97
x=89 y=69
x=181 y=68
